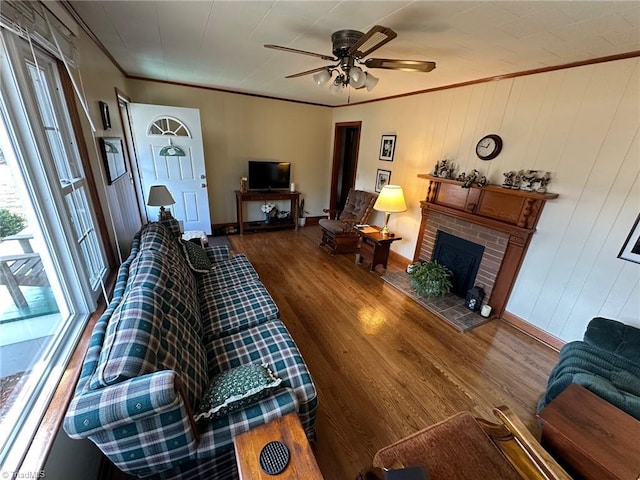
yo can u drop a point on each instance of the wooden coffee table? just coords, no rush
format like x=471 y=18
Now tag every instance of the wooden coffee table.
x=594 y=439
x=288 y=430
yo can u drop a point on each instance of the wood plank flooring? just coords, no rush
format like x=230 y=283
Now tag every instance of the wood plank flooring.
x=384 y=367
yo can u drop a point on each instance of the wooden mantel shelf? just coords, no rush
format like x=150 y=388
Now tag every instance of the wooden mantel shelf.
x=511 y=211
x=493 y=188
x=506 y=205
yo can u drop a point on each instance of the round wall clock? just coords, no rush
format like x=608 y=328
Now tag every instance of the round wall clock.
x=489 y=147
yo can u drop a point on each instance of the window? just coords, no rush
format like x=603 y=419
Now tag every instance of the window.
x=43 y=186
x=169 y=126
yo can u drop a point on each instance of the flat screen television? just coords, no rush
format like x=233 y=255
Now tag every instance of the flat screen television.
x=269 y=175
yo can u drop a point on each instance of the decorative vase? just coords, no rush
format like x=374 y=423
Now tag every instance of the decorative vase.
x=267 y=218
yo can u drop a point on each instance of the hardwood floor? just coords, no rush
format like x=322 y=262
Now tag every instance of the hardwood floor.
x=384 y=367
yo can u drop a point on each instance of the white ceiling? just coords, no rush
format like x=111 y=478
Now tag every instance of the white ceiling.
x=220 y=43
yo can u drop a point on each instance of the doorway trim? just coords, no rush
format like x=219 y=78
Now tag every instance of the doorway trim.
x=338 y=137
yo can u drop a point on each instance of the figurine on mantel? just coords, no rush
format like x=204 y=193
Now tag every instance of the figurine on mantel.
x=471 y=178
x=462 y=177
x=528 y=179
x=508 y=179
x=444 y=169
x=517 y=180
x=483 y=182
x=544 y=181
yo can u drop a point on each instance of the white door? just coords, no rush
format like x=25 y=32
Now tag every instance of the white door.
x=170 y=153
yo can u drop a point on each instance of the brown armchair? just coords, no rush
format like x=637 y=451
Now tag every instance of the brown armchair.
x=337 y=230
x=463 y=447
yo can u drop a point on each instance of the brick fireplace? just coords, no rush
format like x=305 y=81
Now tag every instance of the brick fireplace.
x=493 y=241
x=500 y=220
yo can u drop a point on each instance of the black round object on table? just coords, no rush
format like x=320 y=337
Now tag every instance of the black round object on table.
x=274 y=458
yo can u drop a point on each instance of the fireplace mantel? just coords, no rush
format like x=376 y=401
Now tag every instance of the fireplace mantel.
x=513 y=212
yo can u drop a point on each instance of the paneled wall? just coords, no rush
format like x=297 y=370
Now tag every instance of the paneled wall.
x=582 y=125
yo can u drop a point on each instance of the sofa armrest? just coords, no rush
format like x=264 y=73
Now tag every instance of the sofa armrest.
x=124 y=421
x=111 y=407
x=218 y=253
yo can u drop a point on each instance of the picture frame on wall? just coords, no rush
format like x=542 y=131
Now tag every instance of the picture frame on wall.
x=631 y=248
x=104 y=114
x=387 y=147
x=113 y=156
x=383 y=177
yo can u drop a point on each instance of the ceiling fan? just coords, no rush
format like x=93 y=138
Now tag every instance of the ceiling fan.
x=349 y=49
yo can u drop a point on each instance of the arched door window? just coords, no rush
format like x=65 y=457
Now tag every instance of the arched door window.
x=168 y=126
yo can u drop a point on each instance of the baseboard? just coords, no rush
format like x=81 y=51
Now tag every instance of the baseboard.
x=314 y=220
x=398 y=260
x=533 y=331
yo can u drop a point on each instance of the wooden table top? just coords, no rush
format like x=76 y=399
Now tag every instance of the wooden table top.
x=375 y=234
x=288 y=430
x=599 y=431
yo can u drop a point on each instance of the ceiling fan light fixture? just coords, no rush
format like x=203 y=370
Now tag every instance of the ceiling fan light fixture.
x=336 y=87
x=357 y=77
x=322 y=77
x=370 y=82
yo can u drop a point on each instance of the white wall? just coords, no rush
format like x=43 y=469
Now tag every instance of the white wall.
x=581 y=124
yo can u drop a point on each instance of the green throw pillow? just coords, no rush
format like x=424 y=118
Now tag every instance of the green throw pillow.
x=196 y=256
x=235 y=389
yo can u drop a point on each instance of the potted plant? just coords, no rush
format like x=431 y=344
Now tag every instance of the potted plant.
x=301 y=211
x=430 y=279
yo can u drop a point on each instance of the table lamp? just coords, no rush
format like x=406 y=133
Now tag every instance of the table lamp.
x=159 y=196
x=390 y=200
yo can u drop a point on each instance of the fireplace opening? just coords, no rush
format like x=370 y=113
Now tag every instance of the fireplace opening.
x=460 y=256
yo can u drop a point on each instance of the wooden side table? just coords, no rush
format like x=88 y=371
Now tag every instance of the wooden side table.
x=594 y=439
x=374 y=247
x=288 y=430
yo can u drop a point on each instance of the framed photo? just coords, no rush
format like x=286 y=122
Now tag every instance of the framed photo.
x=113 y=157
x=104 y=114
x=631 y=248
x=387 y=147
x=382 y=178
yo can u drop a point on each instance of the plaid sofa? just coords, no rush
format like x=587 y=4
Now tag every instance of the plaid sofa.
x=165 y=333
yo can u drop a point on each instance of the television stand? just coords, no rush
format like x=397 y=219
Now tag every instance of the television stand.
x=269 y=196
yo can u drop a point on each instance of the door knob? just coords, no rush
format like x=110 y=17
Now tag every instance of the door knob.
x=203 y=185
x=203 y=176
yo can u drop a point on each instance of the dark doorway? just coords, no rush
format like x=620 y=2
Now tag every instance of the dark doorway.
x=460 y=256
x=345 y=162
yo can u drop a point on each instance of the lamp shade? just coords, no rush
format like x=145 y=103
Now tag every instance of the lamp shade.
x=370 y=82
x=322 y=77
x=357 y=77
x=159 y=196
x=391 y=200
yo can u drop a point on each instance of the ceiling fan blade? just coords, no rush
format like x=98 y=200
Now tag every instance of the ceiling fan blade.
x=308 y=72
x=302 y=52
x=404 y=65
x=372 y=40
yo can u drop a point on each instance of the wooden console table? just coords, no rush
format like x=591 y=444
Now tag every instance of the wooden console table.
x=374 y=247
x=288 y=430
x=293 y=197
x=594 y=439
